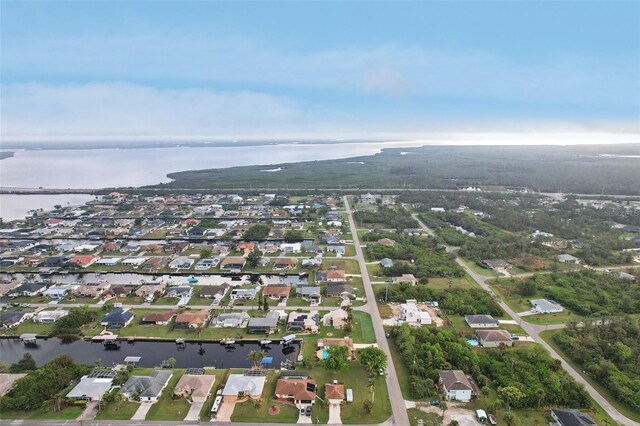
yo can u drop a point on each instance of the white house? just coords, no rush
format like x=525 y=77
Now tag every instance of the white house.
x=544 y=306
x=412 y=315
x=455 y=386
x=291 y=247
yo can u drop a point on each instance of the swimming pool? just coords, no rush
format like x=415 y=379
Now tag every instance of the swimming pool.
x=472 y=342
x=325 y=354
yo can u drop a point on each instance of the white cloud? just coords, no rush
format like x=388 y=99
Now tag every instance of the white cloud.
x=113 y=110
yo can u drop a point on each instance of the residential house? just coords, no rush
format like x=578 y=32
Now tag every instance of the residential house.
x=335 y=276
x=179 y=291
x=497 y=264
x=231 y=320
x=28 y=290
x=298 y=391
x=158 y=318
x=571 y=417
x=386 y=263
x=55 y=262
x=181 y=262
x=266 y=325
x=455 y=385
x=412 y=315
x=337 y=319
x=155 y=263
x=109 y=261
x=134 y=261
x=336 y=248
x=278 y=292
x=93 y=386
x=150 y=289
x=147 y=388
x=291 y=247
x=92 y=289
x=405 y=278
x=567 y=258
x=196 y=386
x=494 y=338
x=192 y=319
x=481 y=321
x=239 y=386
x=285 y=263
x=334 y=393
x=9 y=319
x=204 y=264
x=243 y=293
x=49 y=317
x=117 y=319
x=311 y=293
x=215 y=292
x=544 y=306
x=340 y=291
x=120 y=290
x=233 y=263
x=302 y=322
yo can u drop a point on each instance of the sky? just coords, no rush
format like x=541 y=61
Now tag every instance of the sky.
x=162 y=70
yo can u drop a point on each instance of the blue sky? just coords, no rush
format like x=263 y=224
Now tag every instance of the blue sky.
x=219 y=70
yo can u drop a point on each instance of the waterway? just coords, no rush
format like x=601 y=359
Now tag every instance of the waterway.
x=193 y=355
x=14 y=206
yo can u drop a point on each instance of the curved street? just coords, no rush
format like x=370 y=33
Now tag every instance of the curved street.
x=534 y=331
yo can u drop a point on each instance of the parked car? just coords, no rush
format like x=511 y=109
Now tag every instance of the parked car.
x=308 y=411
x=515 y=337
x=492 y=419
x=302 y=410
x=381 y=372
x=435 y=403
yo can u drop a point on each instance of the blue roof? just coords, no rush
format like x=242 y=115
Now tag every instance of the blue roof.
x=117 y=316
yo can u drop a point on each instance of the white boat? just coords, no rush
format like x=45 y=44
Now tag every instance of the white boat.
x=265 y=342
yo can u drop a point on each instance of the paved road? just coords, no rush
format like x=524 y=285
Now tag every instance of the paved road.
x=395 y=394
x=534 y=331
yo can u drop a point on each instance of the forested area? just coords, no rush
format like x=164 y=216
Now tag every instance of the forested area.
x=422 y=257
x=42 y=387
x=610 y=353
x=70 y=324
x=524 y=377
x=576 y=169
x=257 y=232
x=392 y=218
x=456 y=301
x=585 y=292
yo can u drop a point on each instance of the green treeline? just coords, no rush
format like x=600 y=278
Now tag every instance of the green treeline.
x=610 y=353
x=524 y=377
x=422 y=257
x=456 y=301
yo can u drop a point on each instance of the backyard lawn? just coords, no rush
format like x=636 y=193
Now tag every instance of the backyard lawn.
x=168 y=408
x=251 y=412
x=362 y=331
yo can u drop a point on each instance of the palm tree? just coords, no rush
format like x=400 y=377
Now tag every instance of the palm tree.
x=172 y=362
x=256 y=358
x=540 y=394
x=443 y=407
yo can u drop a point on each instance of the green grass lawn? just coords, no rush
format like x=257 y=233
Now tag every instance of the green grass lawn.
x=429 y=419
x=403 y=373
x=348 y=265
x=69 y=413
x=480 y=270
x=122 y=410
x=548 y=337
x=446 y=283
x=250 y=412
x=168 y=408
x=362 y=331
x=28 y=327
x=355 y=378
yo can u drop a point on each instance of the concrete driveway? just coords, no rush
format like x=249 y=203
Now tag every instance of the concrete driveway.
x=334 y=414
x=142 y=411
x=225 y=411
x=194 y=411
x=303 y=418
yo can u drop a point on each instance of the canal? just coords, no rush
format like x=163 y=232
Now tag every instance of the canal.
x=191 y=355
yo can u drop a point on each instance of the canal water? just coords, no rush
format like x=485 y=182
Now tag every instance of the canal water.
x=193 y=355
